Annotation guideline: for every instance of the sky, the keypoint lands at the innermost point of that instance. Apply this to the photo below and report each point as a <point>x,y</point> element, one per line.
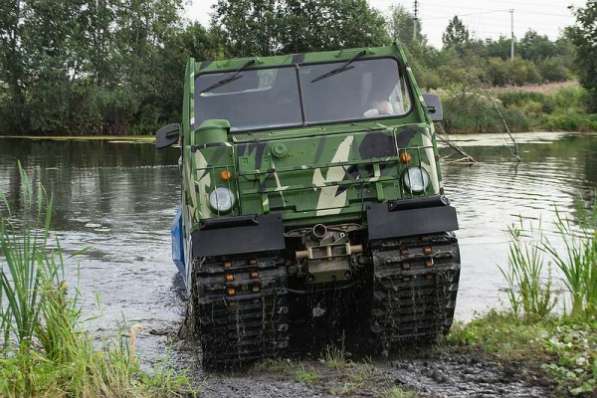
<point>484,18</point>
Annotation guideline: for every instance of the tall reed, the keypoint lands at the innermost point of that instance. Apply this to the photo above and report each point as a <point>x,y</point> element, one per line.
<point>528,293</point>
<point>26,264</point>
<point>578,262</point>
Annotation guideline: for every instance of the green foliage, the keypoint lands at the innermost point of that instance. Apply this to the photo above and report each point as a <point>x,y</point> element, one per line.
<point>584,37</point>
<point>335,358</point>
<point>267,27</point>
<point>457,35</point>
<point>575,347</point>
<point>528,293</point>
<point>479,112</point>
<point>44,351</point>
<point>554,69</point>
<point>401,26</point>
<point>306,375</point>
<point>578,263</point>
<point>534,46</point>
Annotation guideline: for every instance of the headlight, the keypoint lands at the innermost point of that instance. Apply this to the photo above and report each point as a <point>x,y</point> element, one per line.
<point>221,199</point>
<point>416,179</point>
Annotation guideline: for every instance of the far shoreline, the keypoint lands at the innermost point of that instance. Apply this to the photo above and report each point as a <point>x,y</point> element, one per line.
<point>118,138</point>
<point>149,139</point>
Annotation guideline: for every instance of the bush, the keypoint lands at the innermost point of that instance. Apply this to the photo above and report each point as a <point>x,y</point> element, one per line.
<point>522,72</point>
<point>497,72</point>
<point>554,70</point>
<point>570,122</point>
<point>477,113</point>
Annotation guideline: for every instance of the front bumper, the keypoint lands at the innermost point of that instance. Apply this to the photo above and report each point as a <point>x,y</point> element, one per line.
<point>410,218</point>
<point>238,235</point>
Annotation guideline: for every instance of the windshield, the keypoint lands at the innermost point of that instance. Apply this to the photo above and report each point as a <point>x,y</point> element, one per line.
<point>271,98</point>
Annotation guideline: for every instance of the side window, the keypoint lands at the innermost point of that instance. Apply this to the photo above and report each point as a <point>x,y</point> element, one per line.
<point>399,98</point>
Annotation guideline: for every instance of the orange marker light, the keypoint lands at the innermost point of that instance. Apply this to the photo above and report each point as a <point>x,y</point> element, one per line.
<point>405,157</point>
<point>231,291</point>
<point>225,175</point>
<point>229,277</point>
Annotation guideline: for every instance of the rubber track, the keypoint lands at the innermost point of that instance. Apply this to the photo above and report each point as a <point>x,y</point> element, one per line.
<point>415,288</point>
<point>236,330</point>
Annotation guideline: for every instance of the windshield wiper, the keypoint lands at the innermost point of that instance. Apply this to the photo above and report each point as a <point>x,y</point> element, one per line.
<point>230,79</point>
<point>340,69</point>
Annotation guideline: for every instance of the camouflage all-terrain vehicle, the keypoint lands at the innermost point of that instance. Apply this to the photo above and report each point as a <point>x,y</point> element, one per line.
<point>311,197</point>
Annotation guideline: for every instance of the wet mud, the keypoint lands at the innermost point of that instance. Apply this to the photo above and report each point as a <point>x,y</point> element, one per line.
<point>434,376</point>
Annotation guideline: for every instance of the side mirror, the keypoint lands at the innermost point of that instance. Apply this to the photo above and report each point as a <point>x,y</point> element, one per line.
<point>167,135</point>
<point>434,107</point>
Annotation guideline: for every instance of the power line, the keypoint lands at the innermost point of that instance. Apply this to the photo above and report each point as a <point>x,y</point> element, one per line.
<point>465,15</point>
<point>448,16</point>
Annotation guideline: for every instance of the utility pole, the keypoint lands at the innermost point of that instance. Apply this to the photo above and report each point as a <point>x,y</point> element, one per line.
<point>512,34</point>
<point>416,17</point>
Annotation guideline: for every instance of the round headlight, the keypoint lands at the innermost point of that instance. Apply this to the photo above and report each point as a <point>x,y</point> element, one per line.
<point>221,199</point>
<point>416,179</point>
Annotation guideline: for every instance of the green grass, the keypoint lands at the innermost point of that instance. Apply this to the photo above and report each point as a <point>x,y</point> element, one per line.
<point>306,375</point>
<point>335,357</point>
<point>44,352</point>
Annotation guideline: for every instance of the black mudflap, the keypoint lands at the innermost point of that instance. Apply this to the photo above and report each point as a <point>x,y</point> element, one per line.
<point>240,309</point>
<point>415,288</point>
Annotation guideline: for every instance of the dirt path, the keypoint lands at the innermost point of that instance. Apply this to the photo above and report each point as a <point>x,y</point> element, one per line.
<point>431,375</point>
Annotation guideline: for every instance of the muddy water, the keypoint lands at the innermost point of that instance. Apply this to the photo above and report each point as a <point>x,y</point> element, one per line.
<point>117,200</point>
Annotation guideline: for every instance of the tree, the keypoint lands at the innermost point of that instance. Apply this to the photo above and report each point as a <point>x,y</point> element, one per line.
<point>534,46</point>
<point>584,37</point>
<point>499,48</point>
<point>265,27</point>
<point>87,66</point>
<point>248,26</point>
<point>457,35</point>
<point>12,66</point>
<point>401,26</point>
<point>310,25</point>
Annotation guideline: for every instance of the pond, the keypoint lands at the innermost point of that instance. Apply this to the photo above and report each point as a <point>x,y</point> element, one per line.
<point>117,200</point>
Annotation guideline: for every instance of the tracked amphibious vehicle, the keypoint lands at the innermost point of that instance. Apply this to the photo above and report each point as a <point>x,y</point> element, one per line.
<point>311,191</point>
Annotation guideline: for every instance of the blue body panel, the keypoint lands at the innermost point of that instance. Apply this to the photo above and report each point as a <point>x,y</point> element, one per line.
<point>178,242</point>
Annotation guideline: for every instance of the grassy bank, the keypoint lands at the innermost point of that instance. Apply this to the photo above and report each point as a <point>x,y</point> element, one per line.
<point>562,345</point>
<point>44,350</point>
<point>534,109</point>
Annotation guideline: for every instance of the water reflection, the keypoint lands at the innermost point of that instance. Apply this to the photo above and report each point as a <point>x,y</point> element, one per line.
<point>118,201</point>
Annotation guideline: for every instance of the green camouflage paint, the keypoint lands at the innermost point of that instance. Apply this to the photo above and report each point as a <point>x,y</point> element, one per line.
<point>310,174</point>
